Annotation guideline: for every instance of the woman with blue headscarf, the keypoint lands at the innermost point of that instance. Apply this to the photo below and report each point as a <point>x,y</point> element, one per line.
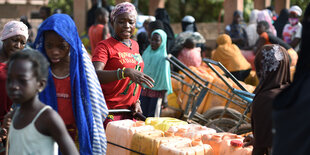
<point>73,89</point>
<point>158,68</point>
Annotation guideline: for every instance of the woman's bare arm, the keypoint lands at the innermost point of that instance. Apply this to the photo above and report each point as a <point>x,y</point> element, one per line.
<point>106,76</point>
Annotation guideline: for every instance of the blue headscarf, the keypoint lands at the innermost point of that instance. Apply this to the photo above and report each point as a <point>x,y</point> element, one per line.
<point>156,66</point>
<point>87,99</point>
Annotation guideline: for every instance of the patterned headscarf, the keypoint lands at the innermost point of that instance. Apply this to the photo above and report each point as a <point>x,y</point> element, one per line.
<point>123,8</point>
<point>272,67</point>
<point>265,16</point>
<point>14,28</point>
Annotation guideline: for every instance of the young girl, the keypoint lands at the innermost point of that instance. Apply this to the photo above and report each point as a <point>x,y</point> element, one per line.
<point>35,126</point>
<point>158,68</point>
<point>73,88</point>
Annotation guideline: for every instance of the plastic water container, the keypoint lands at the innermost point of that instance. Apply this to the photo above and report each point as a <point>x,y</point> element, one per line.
<point>186,147</point>
<point>164,123</point>
<point>149,142</point>
<point>215,140</point>
<point>192,131</point>
<point>213,100</point>
<point>121,133</point>
<point>234,147</point>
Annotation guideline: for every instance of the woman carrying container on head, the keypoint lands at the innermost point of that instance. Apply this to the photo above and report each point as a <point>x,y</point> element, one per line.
<point>119,65</point>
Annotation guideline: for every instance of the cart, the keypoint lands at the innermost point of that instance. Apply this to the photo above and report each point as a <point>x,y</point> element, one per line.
<point>230,117</point>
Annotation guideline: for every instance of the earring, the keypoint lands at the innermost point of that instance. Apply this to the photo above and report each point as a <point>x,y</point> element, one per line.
<point>40,90</point>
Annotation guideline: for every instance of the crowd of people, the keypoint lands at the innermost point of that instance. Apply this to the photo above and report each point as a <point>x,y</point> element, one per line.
<point>55,90</point>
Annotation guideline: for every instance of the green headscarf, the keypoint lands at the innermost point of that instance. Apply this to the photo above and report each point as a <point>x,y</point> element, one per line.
<point>156,66</point>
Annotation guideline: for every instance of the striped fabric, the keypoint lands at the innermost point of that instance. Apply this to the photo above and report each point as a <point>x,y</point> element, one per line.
<point>99,108</point>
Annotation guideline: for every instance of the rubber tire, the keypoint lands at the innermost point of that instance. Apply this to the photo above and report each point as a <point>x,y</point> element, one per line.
<point>222,125</point>
<point>216,112</point>
<point>243,129</point>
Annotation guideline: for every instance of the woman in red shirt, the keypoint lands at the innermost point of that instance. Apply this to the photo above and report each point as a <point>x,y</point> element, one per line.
<point>119,65</point>
<point>14,37</point>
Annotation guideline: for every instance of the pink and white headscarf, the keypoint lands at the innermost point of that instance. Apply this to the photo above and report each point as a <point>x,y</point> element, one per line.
<point>123,8</point>
<point>264,15</point>
<point>14,28</point>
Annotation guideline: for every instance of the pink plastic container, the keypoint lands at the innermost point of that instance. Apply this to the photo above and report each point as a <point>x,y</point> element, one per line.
<point>121,133</point>
<point>192,131</point>
<point>186,147</point>
<point>234,147</point>
<point>215,140</point>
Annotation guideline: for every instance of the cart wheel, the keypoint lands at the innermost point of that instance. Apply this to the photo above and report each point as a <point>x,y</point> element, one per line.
<point>217,111</point>
<point>242,129</point>
<point>222,124</point>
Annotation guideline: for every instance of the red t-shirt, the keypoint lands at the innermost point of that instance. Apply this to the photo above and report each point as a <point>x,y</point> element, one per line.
<point>119,94</point>
<point>5,102</point>
<point>65,109</point>
<point>95,35</point>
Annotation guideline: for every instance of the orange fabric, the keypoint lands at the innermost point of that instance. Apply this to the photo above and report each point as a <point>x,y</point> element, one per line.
<point>266,37</point>
<point>95,35</point>
<point>230,55</point>
<point>293,55</point>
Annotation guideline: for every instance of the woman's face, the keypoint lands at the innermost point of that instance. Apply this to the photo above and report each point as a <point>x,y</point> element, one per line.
<point>124,25</point>
<point>56,48</point>
<point>155,41</point>
<point>14,44</point>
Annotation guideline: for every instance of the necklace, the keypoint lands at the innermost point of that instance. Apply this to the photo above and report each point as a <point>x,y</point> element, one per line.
<point>60,77</point>
<point>127,44</point>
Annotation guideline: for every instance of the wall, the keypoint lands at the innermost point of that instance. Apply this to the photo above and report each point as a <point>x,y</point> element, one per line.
<point>209,31</point>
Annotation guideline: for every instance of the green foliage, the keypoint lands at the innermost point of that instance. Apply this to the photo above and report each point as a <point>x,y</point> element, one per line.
<point>248,7</point>
<point>202,10</point>
<point>66,6</point>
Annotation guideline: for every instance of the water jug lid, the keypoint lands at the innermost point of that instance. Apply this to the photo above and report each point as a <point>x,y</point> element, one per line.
<point>236,143</point>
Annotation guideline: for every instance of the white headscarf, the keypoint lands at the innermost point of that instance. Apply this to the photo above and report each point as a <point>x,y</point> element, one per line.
<point>14,28</point>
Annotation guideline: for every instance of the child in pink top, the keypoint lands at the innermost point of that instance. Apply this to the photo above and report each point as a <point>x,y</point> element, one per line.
<point>190,55</point>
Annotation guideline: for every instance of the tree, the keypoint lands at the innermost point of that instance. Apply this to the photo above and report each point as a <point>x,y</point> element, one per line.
<point>301,3</point>
<point>201,10</point>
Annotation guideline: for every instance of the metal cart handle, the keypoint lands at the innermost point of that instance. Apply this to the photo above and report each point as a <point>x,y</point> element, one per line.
<point>173,61</point>
<point>209,61</point>
<point>137,115</point>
